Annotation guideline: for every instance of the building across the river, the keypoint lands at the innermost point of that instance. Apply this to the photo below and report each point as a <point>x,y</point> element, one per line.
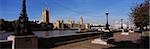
<point>45,23</point>
<point>45,15</point>
<point>59,24</point>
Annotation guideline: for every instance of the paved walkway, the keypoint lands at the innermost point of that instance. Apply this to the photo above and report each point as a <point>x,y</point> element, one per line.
<point>82,45</point>
<point>134,37</point>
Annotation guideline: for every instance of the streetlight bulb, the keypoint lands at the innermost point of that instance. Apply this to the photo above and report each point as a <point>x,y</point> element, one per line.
<point>107,13</point>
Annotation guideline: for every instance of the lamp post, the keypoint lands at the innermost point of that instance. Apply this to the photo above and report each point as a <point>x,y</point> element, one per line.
<point>121,23</point>
<point>127,25</point>
<point>107,25</point>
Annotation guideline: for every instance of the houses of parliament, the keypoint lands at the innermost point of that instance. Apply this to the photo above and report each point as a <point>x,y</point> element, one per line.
<point>45,23</point>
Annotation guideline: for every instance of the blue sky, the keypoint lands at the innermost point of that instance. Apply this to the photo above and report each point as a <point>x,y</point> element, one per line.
<point>93,11</point>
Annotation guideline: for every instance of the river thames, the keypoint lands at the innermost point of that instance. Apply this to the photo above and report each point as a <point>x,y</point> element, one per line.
<point>43,34</point>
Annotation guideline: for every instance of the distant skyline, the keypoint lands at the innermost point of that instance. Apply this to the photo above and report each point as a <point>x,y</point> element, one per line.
<point>93,11</point>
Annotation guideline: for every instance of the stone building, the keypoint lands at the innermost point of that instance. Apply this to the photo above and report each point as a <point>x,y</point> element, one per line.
<point>81,20</point>
<point>58,24</point>
<point>45,15</point>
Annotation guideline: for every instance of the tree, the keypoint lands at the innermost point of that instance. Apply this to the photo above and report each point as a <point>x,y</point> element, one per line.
<point>1,24</point>
<point>140,14</point>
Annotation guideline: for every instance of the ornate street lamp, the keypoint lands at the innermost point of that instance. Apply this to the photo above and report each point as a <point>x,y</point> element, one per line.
<point>107,25</point>
<point>121,23</point>
<point>127,25</point>
<point>23,25</point>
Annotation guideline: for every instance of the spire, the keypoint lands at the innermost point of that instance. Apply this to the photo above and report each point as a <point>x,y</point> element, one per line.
<point>23,14</point>
<point>81,20</point>
<point>69,19</point>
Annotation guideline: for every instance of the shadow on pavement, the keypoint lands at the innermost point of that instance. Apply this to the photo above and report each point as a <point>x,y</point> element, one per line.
<point>142,44</point>
<point>48,43</point>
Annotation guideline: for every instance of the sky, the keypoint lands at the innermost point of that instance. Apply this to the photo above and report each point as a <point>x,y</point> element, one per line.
<point>92,11</point>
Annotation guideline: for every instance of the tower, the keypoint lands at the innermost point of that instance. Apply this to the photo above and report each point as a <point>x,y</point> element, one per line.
<point>69,20</point>
<point>81,21</point>
<point>45,15</point>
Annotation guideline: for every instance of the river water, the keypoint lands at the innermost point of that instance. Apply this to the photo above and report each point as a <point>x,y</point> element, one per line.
<point>3,36</point>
